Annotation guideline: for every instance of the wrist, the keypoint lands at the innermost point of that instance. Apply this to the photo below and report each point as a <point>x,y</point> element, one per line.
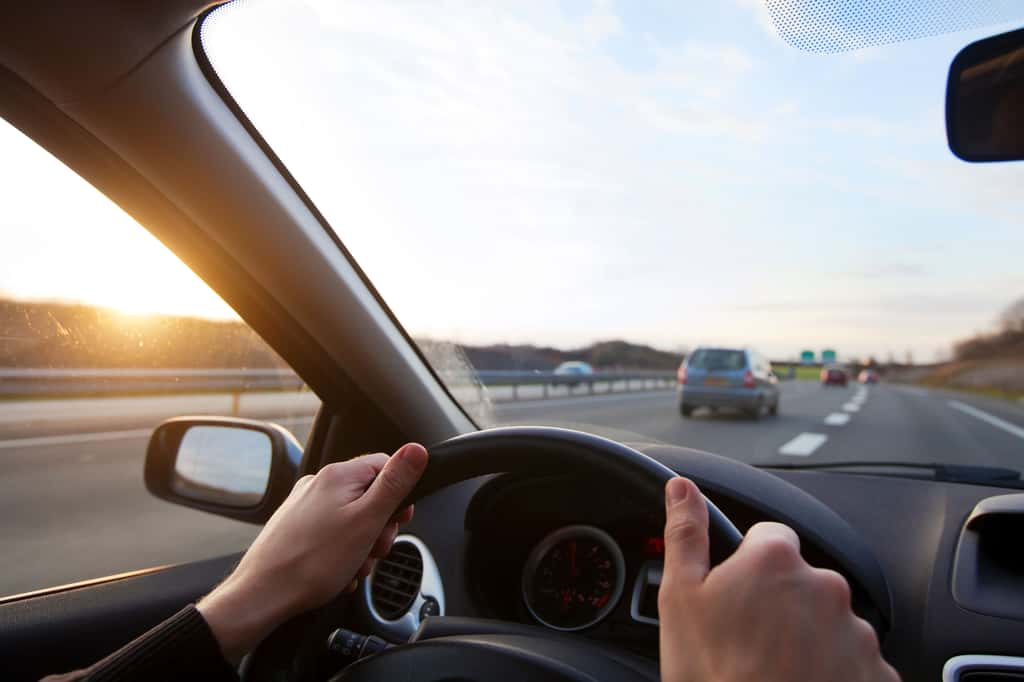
<point>239,618</point>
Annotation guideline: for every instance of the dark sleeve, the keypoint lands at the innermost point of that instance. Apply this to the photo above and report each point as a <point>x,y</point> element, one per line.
<point>181,648</point>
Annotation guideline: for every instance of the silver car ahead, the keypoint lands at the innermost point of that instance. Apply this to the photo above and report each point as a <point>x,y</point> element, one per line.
<point>738,378</point>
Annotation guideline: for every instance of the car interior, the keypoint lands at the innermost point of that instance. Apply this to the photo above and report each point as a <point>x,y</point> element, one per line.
<point>122,94</point>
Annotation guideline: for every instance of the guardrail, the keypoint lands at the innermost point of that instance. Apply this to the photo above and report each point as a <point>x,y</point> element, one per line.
<point>598,382</point>
<point>35,382</point>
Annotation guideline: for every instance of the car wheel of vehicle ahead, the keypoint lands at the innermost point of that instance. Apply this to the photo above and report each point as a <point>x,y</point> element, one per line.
<point>774,409</point>
<point>755,412</point>
<point>686,410</point>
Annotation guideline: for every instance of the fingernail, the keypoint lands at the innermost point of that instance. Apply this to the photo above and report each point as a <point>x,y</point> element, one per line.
<point>676,491</point>
<point>405,454</point>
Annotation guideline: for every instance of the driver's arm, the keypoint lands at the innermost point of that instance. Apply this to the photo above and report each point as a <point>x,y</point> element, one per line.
<point>324,536</point>
<point>762,614</point>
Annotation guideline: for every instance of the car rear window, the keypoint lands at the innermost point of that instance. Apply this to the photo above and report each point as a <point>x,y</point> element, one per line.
<point>717,359</point>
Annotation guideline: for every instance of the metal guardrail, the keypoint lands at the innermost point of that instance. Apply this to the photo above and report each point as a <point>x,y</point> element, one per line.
<point>93,382</point>
<point>611,382</point>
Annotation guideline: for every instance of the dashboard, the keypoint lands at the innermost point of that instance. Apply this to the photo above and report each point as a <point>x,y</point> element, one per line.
<point>576,554</point>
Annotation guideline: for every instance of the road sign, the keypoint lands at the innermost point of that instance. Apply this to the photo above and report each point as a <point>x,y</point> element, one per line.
<point>807,357</point>
<point>828,355</point>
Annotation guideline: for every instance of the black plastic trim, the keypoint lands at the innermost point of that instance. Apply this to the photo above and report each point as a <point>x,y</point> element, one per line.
<point>221,89</point>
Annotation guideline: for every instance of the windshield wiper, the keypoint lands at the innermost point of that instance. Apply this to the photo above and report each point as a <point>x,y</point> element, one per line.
<point>952,473</point>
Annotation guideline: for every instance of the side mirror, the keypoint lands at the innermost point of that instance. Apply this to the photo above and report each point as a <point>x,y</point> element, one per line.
<point>238,468</point>
<point>985,100</point>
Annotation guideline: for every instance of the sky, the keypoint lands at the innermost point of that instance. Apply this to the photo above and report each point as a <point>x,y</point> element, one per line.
<point>670,173</point>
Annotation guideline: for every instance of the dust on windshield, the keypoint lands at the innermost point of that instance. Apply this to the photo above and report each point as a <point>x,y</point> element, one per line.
<point>622,184</point>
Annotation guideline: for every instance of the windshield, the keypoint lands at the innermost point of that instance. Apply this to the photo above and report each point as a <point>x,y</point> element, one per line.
<point>528,184</point>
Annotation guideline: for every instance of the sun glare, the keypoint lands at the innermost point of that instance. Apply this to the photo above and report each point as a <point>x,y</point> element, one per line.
<point>84,249</point>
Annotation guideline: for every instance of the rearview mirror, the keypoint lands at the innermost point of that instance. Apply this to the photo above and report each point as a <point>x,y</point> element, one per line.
<point>985,100</point>
<point>238,468</point>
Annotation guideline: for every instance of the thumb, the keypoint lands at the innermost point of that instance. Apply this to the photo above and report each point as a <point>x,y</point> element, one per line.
<point>397,479</point>
<point>686,534</point>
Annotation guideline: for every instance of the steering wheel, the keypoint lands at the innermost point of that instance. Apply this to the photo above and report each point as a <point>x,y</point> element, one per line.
<point>530,652</point>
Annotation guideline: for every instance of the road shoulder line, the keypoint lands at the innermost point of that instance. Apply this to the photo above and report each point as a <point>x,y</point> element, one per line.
<point>990,419</point>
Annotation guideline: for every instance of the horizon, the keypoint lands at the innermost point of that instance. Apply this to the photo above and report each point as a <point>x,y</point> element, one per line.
<point>682,350</point>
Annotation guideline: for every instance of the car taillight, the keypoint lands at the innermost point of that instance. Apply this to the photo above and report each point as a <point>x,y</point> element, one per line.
<point>748,379</point>
<point>681,375</point>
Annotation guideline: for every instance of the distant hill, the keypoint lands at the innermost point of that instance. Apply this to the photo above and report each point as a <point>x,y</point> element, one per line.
<point>620,355</point>
<point>34,334</point>
<point>60,335</point>
<point>988,362</point>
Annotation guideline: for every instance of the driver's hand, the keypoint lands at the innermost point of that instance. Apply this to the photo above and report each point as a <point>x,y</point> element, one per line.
<point>762,614</point>
<point>315,545</point>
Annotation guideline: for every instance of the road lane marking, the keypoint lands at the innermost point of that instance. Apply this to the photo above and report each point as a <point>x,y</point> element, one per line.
<point>803,445</point>
<point>987,418</point>
<point>852,407</point>
<point>76,438</point>
<point>837,419</point>
<point>73,438</point>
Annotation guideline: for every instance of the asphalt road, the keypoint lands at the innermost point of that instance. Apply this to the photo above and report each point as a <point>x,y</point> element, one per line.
<point>73,505</point>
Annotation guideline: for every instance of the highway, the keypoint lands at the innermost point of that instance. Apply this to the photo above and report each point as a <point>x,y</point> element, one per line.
<point>73,505</point>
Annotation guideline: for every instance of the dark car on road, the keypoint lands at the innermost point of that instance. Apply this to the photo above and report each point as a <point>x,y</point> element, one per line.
<point>834,376</point>
<point>738,378</point>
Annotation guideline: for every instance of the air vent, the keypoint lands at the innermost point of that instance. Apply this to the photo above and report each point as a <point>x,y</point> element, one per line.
<point>982,668</point>
<point>396,580</point>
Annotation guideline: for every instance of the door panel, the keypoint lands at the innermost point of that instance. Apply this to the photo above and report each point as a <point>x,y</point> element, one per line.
<point>74,628</point>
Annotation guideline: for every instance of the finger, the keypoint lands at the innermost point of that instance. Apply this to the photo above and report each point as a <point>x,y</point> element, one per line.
<point>771,546</point>
<point>403,516</point>
<point>686,534</point>
<point>366,468</point>
<point>383,544</point>
<point>396,480</point>
<point>365,569</point>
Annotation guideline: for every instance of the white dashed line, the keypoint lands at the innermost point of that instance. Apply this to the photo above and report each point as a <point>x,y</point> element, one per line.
<point>837,419</point>
<point>987,418</point>
<point>803,445</point>
<point>852,407</point>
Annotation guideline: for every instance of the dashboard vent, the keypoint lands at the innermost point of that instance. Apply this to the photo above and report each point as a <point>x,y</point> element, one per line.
<point>396,580</point>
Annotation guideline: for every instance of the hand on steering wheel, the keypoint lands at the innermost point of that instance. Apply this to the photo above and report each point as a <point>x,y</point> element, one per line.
<point>326,533</point>
<point>762,614</point>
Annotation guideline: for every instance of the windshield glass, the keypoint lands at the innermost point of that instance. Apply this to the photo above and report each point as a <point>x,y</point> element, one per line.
<point>528,184</point>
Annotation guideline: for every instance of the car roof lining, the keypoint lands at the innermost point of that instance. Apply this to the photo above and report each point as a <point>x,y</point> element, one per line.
<point>70,50</point>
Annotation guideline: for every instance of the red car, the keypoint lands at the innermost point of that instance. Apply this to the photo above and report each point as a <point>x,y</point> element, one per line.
<point>834,376</point>
<point>868,376</point>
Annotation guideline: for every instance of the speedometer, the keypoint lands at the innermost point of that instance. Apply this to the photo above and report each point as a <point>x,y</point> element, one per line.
<point>573,578</point>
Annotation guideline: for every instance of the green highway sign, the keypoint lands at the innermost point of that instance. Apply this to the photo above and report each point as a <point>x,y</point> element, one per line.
<point>828,355</point>
<point>807,357</point>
